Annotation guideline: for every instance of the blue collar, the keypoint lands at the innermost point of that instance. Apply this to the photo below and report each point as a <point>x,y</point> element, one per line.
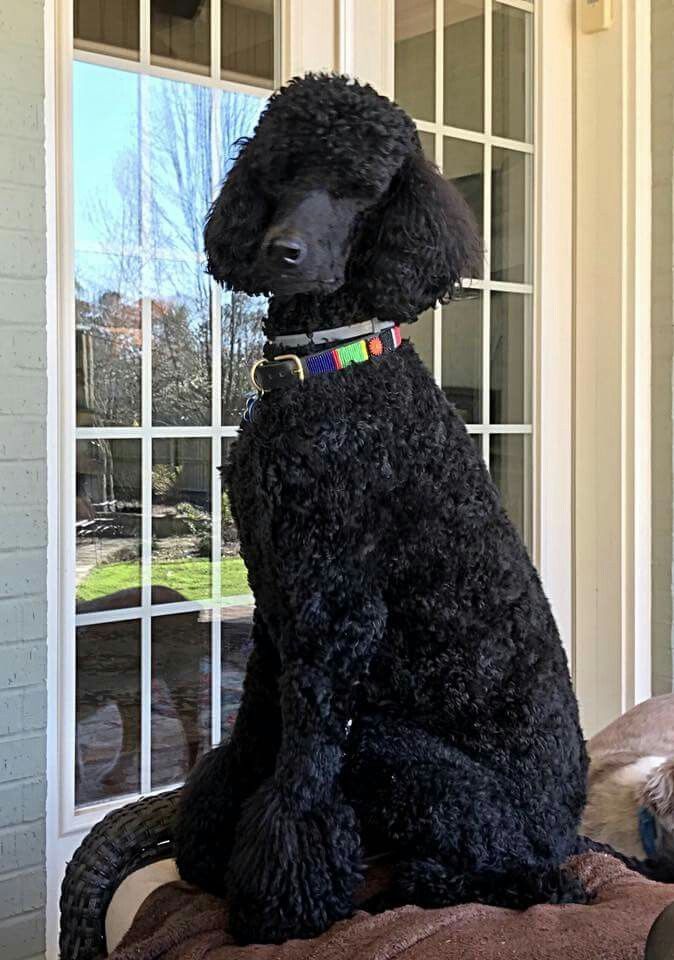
<point>648,832</point>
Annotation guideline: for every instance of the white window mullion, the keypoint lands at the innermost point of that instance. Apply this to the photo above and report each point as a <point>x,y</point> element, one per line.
<point>144,56</point>
<point>216,444</point>
<point>436,129</point>
<point>216,12</point>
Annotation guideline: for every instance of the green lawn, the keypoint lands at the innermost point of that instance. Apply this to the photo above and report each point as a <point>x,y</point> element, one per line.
<point>192,578</point>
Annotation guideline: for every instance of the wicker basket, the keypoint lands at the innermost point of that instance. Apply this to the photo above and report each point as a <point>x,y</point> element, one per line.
<point>124,841</point>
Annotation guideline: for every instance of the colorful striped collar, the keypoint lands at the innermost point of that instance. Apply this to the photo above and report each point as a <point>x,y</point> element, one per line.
<point>289,369</point>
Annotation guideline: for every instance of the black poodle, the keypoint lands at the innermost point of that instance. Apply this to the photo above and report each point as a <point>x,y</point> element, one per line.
<point>407,692</point>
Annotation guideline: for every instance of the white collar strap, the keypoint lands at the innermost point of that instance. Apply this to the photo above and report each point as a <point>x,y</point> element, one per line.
<point>330,336</point>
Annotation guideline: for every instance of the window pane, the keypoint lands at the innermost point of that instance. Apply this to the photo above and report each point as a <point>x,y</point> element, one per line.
<point>108,340</point>
<point>235,645</point>
<point>415,57</point>
<point>181,695</point>
<point>512,78</point>
<point>510,464</point>
<point>463,164</point>
<point>100,24</point>
<point>108,524</point>
<point>462,355</point>
<point>234,586</point>
<point>247,39</point>
<point>181,345</point>
<point>180,34</point>
<point>106,159</point>
<point>181,519</point>
<point>178,145</point>
<point>512,221</point>
<point>511,359</point>
<point>107,732</point>
<point>464,64</point>
<point>428,145</point>
<point>242,340</point>
<point>421,335</point>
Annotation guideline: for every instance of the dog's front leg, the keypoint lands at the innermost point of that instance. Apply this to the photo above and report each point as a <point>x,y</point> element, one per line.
<point>296,859</point>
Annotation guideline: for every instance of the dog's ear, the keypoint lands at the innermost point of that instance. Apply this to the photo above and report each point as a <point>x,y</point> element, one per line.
<point>235,226</point>
<point>658,793</point>
<point>416,245</point>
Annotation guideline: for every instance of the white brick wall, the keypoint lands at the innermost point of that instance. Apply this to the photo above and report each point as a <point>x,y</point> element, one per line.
<point>23,526</point>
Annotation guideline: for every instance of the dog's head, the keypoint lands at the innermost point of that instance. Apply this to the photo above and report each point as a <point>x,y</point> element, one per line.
<point>333,192</point>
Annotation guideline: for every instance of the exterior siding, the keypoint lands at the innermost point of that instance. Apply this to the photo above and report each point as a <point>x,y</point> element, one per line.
<point>23,487</point>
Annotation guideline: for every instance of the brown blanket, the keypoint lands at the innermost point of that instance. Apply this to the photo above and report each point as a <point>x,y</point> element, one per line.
<point>177,922</point>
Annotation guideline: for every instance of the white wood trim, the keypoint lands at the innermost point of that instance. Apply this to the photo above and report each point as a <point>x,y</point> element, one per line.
<point>553,308</point>
<point>612,332</point>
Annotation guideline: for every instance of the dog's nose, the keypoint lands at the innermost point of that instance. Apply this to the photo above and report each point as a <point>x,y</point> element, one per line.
<point>286,252</point>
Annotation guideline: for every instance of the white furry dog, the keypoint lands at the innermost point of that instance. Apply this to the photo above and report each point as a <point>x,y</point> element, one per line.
<point>631,784</point>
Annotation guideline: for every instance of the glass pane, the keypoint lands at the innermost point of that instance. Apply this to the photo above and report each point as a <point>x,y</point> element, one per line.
<point>181,345</point>
<point>106,160</point>
<point>107,731</point>
<point>108,524</point>
<point>512,77</point>
<point>242,340</point>
<point>421,335</point>
<point>463,164</point>
<point>179,166</point>
<point>247,39</point>
<point>180,34</point>
<point>239,113</point>
<point>415,57</point>
<point>462,355</point>
<point>510,463</point>
<point>511,360</point>
<point>512,220</point>
<point>233,576</point>
<point>100,24</point>
<point>181,695</point>
<point>108,339</point>
<point>464,64</point>
<point>428,145</point>
<point>235,645</point>
<point>181,519</point>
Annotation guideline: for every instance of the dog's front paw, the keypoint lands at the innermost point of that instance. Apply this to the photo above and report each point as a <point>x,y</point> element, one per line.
<point>291,874</point>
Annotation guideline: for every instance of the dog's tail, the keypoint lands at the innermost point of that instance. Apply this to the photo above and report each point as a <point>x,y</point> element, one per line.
<point>647,868</point>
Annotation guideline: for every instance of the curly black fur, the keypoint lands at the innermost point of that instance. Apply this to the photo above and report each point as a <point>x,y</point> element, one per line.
<point>408,691</point>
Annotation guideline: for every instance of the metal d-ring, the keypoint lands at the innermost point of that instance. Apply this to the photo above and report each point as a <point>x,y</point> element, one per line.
<point>253,371</point>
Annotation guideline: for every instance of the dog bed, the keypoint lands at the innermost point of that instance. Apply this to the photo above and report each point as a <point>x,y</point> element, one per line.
<point>178,922</point>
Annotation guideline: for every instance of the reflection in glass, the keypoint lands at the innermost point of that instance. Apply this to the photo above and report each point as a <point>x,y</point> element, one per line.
<point>242,340</point>
<point>107,696</point>
<point>180,34</point>
<point>108,340</point>
<point>181,518</point>
<point>181,694</point>
<point>233,575</point>
<point>512,77</point>
<point>415,57</point>
<point>428,145</point>
<point>247,39</point>
<point>179,165</point>
<point>108,524</point>
<point>106,159</point>
<point>462,355</point>
<point>239,113</point>
<point>100,24</point>
<point>463,164</point>
<point>236,644</point>
<point>464,64</point>
<point>510,465</point>
<point>181,345</point>
<point>421,335</point>
<point>512,222</point>
<point>511,360</point>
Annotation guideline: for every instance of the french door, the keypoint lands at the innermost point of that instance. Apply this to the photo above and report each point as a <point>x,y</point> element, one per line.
<point>464,69</point>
